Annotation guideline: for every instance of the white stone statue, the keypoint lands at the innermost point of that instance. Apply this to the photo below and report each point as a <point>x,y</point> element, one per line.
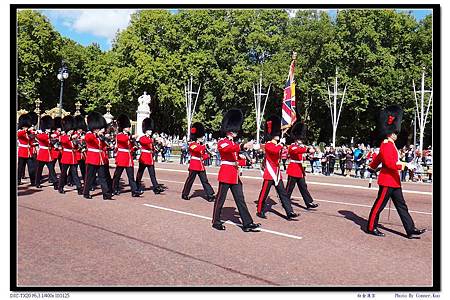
<point>143,111</point>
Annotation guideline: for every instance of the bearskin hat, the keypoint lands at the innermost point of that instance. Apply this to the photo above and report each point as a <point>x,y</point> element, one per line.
<point>24,121</point>
<point>390,120</point>
<point>57,122</point>
<point>123,122</point>
<point>33,118</point>
<point>272,127</point>
<point>232,121</point>
<point>47,123</point>
<point>68,123</point>
<point>148,124</point>
<point>79,123</point>
<point>197,131</point>
<point>96,121</point>
<point>298,131</point>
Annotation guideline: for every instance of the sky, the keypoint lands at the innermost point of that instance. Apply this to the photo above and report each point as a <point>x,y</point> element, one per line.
<point>87,26</point>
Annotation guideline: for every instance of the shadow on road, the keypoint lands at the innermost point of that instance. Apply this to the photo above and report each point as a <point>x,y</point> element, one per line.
<point>230,214</point>
<point>25,191</point>
<point>355,218</point>
<point>199,193</point>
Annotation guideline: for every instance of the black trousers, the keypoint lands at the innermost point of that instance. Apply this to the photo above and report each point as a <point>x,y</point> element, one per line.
<point>204,180</point>
<point>238,195</point>
<point>130,174</point>
<point>384,193</point>
<point>281,191</point>
<point>303,188</point>
<point>82,165</point>
<point>91,171</point>
<point>51,171</point>
<point>31,164</point>
<point>74,174</point>
<point>151,172</point>
<point>108,177</point>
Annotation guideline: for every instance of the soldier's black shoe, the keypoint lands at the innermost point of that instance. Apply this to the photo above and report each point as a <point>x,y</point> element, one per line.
<point>62,191</point>
<point>162,187</point>
<point>55,186</point>
<point>415,231</point>
<point>80,191</point>
<point>116,192</point>
<point>218,226</point>
<point>252,227</point>
<point>311,205</point>
<point>87,196</point>
<point>136,194</point>
<point>184,197</point>
<point>375,232</point>
<point>158,190</point>
<point>261,215</point>
<point>92,188</point>
<point>211,198</point>
<point>292,215</point>
<point>107,197</point>
<point>38,186</point>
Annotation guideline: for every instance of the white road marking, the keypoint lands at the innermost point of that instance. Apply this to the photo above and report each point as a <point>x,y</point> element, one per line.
<point>319,200</point>
<point>227,222</point>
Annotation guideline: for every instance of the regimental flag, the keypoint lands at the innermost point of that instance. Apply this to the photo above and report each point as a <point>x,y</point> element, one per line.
<point>288,112</point>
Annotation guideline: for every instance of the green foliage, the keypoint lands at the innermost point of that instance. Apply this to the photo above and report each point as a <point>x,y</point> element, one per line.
<point>378,54</point>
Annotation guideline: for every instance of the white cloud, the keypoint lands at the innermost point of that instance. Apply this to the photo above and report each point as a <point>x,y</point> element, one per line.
<point>99,22</point>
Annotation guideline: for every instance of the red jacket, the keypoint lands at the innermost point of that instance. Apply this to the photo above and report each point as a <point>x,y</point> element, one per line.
<point>44,152</point>
<point>24,148</point>
<point>124,158</point>
<point>94,153</point>
<point>68,156</point>
<point>197,153</point>
<point>229,155</point>
<point>146,156</point>
<point>295,167</point>
<point>388,157</point>
<point>272,161</point>
<point>56,152</point>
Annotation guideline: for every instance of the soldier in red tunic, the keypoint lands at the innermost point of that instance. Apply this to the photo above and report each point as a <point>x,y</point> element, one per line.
<point>44,156</point>
<point>146,157</point>
<point>272,174</point>
<point>68,159</point>
<point>81,128</point>
<point>124,157</point>
<point>94,156</point>
<point>56,146</point>
<point>389,125</point>
<point>229,172</point>
<point>196,166</point>
<point>25,136</point>
<point>296,172</point>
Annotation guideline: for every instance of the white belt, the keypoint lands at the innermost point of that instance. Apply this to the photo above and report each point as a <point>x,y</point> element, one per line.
<point>297,161</point>
<point>231,163</point>
<point>196,158</point>
<point>146,151</point>
<point>123,150</point>
<point>68,150</point>
<point>94,150</point>
<point>23,145</point>
<point>44,147</point>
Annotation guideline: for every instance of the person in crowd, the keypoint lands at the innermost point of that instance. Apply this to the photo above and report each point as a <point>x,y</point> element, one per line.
<point>25,136</point>
<point>348,162</point>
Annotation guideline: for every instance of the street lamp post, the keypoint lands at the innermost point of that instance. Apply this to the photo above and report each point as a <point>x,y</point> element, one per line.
<point>63,73</point>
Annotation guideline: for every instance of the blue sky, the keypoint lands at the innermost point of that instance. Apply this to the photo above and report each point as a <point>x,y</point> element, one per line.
<point>100,26</point>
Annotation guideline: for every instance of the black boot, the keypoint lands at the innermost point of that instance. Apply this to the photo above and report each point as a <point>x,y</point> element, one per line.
<point>55,186</point>
<point>211,198</point>
<point>219,226</point>
<point>292,215</point>
<point>80,190</point>
<point>107,197</point>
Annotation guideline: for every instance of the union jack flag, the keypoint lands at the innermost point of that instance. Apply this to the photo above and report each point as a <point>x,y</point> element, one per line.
<point>288,113</point>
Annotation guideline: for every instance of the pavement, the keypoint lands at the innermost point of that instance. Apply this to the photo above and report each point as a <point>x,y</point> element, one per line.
<point>162,240</point>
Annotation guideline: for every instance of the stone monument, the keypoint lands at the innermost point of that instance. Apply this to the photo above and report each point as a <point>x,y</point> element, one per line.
<point>143,111</point>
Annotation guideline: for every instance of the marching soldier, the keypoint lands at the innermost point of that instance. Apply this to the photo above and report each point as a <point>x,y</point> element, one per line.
<point>229,172</point>
<point>25,136</point>
<point>296,172</point>
<point>196,166</point>
<point>68,158</point>
<point>124,157</point>
<point>389,125</point>
<point>44,156</point>
<point>94,156</point>
<point>80,154</point>
<point>272,174</point>
<point>56,149</point>
<point>146,157</point>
